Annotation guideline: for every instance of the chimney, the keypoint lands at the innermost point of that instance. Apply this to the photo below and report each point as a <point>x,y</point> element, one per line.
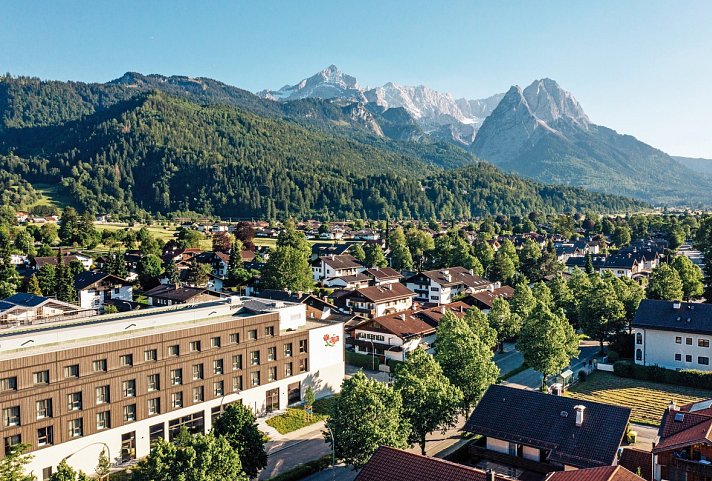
<point>579,414</point>
<point>672,406</point>
<point>491,476</point>
<point>401,317</point>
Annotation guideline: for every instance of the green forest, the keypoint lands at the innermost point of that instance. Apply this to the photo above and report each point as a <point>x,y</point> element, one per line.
<point>113,149</point>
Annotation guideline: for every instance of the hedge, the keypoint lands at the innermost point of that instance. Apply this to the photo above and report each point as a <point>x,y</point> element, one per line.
<point>366,361</point>
<point>685,377</point>
<point>301,471</point>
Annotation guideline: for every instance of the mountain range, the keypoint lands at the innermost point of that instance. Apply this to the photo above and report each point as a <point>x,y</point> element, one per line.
<point>541,132</point>
<point>156,144</point>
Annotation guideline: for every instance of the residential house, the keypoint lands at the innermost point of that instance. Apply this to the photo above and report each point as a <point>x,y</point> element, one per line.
<point>168,295</point>
<point>397,465</point>
<point>37,262</point>
<point>483,299</point>
<point>637,461</point>
<point>441,285</point>
<point>322,249</point>
<point>394,335</point>
<point>355,281</point>
<point>25,309</point>
<point>673,334</point>
<point>218,261</point>
<point>378,301</point>
<point>94,288</point>
<point>530,431</point>
<point>433,315</point>
<point>684,447</point>
<point>326,267</point>
<point>367,234</point>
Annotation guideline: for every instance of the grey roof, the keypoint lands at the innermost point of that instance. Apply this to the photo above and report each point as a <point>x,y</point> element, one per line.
<point>87,278</point>
<point>27,300</point>
<point>690,317</point>
<point>538,420</point>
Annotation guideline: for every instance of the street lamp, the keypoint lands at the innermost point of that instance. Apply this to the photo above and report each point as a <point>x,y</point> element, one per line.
<point>373,355</point>
<point>108,453</point>
<point>333,452</point>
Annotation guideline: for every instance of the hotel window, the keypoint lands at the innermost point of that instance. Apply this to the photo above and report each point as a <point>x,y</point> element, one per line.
<point>44,408</point>
<point>218,366</point>
<point>11,442</point>
<point>678,357</point>
<point>45,436</point>
<point>103,420</point>
<point>174,350</point>
<point>99,365</point>
<point>255,379</point>
<point>688,341</point>
<point>703,343</point>
<point>76,428</point>
<point>705,361</point>
<point>269,331</point>
<point>154,406</point>
<point>177,400</point>
<point>197,372</point>
<point>177,377</point>
<point>11,416</point>
<point>126,360</point>
<point>302,346</point>
<point>678,340</point>
<point>41,377</point>
<point>237,383</point>
<point>130,413</point>
<point>236,362</point>
<point>129,388</point>
<point>288,350</point>
<point>235,338</point>
<point>150,355</point>
<point>8,384</point>
<point>194,346</point>
<point>272,374</point>
<point>255,358</point>
<point>218,388</point>
<point>71,371</point>
<point>688,357</point>
<point>271,353</point>
<point>303,365</point>
<point>288,369</point>
<point>252,335</point>
<point>198,394</point>
<point>102,395</point>
<point>153,382</point>
<point>215,342</point>
<point>74,401</point>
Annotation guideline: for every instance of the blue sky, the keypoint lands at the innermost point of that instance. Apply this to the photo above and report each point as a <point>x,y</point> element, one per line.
<point>642,67</point>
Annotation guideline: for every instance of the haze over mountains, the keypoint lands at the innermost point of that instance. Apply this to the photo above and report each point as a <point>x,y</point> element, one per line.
<point>540,131</point>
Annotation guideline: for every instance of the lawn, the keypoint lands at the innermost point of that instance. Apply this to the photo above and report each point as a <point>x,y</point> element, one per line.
<point>648,400</point>
<point>293,419</point>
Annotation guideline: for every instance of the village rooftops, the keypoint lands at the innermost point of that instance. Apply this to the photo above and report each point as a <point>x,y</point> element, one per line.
<point>396,465</point>
<point>403,324</point>
<point>582,434</point>
<point>344,261</point>
<point>674,316</point>
<point>383,273</point>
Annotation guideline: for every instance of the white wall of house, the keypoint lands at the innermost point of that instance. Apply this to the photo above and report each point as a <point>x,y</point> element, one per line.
<point>673,350</point>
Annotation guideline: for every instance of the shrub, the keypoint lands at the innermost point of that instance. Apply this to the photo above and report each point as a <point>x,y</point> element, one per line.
<point>613,356</point>
<point>293,419</point>
<point>685,377</point>
<point>364,361</point>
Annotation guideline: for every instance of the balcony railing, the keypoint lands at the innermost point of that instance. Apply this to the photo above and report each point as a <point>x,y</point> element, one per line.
<point>700,468</point>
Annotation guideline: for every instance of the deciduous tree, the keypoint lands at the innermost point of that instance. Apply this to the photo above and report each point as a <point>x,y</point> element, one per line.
<point>665,284</point>
<point>238,425</point>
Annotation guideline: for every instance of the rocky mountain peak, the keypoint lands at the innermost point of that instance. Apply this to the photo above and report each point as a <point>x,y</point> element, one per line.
<point>549,102</point>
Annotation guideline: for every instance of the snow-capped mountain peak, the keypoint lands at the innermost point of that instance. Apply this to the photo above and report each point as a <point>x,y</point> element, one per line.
<point>328,84</point>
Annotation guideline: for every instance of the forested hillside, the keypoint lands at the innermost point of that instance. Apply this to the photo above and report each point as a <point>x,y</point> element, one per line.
<point>158,153</point>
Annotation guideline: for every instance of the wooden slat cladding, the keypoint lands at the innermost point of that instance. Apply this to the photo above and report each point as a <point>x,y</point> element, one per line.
<point>60,388</point>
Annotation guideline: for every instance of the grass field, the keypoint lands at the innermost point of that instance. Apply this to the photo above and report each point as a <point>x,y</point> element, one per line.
<point>648,400</point>
<point>51,195</point>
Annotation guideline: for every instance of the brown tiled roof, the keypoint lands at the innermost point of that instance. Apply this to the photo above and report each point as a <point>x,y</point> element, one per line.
<point>434,315</point>
<point>458,275</point>
<point>178,293</point>
<point>633,459</point>
<point>390,464</point>
<point>383,273</point>
<point>344,261</point>
<point>385,292</point>
<point>604,473</point>
<point>548,422</point>
<point>689,424</point>
<point>403,324</point>
<point>487,297</point>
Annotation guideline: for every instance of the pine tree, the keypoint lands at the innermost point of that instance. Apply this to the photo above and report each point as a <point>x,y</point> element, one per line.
<point>374,256</point>
<point>33,287</point>
<point>65,281</point>
<point>172,273</point>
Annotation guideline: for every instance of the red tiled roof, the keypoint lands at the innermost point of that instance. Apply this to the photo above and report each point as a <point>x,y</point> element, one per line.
<point>390,464</point>
<point>487,297</point>
<point>385,292</point>
<point>633,459</point>
<point>683,426</point>
<point>383,273</point>
<point>434,315</point>
<point>402,324</point>
<point>604,473</point>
